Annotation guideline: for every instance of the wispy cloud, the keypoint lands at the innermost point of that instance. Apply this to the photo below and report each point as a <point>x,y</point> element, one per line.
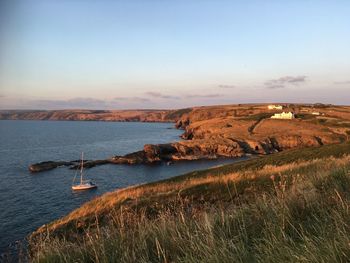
<point>216,95</point>
<point>74,103</point>
<point>83,101</point>
<point>132,99</point>
<point>284,82</point>
<point>275,86</point>
<point>223,86</point>
<point>161,96</point>
<point>341,82</point>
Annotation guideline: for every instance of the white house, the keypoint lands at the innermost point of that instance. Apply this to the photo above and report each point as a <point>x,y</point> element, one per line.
<point>274,107</point>
<point>315,113</point>
<point>283,115</point>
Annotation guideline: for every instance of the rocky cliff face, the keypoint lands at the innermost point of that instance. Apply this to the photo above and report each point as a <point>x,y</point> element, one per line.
<point>211,149</point>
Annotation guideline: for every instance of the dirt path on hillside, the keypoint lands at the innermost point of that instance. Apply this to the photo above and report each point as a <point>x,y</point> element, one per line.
<point>252,128</point>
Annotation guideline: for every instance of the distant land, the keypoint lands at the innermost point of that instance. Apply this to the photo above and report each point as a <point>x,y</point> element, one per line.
<point>91,115</point>
<point>152,115</point>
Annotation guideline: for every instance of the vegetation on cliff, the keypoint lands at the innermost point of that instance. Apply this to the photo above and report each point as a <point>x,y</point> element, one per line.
<point>291,206</point>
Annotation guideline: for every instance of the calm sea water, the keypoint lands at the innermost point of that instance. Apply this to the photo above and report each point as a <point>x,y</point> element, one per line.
<point>28,201</point>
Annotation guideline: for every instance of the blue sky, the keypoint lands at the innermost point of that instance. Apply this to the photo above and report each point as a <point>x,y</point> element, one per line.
<point>172,54</point>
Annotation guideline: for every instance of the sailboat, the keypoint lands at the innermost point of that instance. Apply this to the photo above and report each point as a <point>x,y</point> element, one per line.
<point>83,185</point>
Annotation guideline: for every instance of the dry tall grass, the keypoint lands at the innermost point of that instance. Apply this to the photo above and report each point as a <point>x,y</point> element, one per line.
<point>296,212</point>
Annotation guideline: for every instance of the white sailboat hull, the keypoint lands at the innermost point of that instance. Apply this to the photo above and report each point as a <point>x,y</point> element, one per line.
<point>85,186</point>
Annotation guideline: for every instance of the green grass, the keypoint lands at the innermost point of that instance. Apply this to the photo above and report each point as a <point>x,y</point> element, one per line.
<point>305,116</point>
<point>178,113</point>
<point>257,117</point>
<point>337,123</point>
<point>296,210</point>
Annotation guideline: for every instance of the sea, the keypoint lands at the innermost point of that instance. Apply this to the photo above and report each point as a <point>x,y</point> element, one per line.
<point>29,200</point>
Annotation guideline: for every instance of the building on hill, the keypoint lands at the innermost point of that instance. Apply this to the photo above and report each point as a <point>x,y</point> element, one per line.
<point>283,115</point>
<point>275,107</point>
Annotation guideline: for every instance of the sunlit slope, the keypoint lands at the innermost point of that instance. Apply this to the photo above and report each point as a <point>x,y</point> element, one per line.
<point>297,200</point>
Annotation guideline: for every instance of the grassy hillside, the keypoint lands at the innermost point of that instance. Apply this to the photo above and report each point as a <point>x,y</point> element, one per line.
<point>288,207</point>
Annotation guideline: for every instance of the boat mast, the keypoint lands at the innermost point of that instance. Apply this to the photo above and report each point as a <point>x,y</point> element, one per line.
<point>81,168</point>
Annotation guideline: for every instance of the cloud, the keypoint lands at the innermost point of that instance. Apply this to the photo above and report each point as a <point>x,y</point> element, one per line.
<point>288,79</point>
<point>341,82</point>
<point>161,96</point>
<point>277,86</point>
<point>75,103</point>
<point>227,86</point>
<point>132,99</point>
<point>283,82</point>
<point>83,101</point>
<point>216,95</point>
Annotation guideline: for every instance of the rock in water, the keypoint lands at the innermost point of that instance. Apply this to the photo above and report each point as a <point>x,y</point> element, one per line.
<point>45,166</point>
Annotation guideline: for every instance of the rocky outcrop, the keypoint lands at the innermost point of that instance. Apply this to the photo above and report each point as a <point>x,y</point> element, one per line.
<point>182,123</point>
<point>180,151</point>
<point>76,164</point>
<point>211,149</point>
<point>45,166</point>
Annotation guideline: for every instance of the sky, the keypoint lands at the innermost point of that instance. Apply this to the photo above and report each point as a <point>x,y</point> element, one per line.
<point>69,54</point>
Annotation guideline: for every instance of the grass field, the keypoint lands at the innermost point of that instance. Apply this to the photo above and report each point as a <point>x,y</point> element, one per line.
<point>291,206</point>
